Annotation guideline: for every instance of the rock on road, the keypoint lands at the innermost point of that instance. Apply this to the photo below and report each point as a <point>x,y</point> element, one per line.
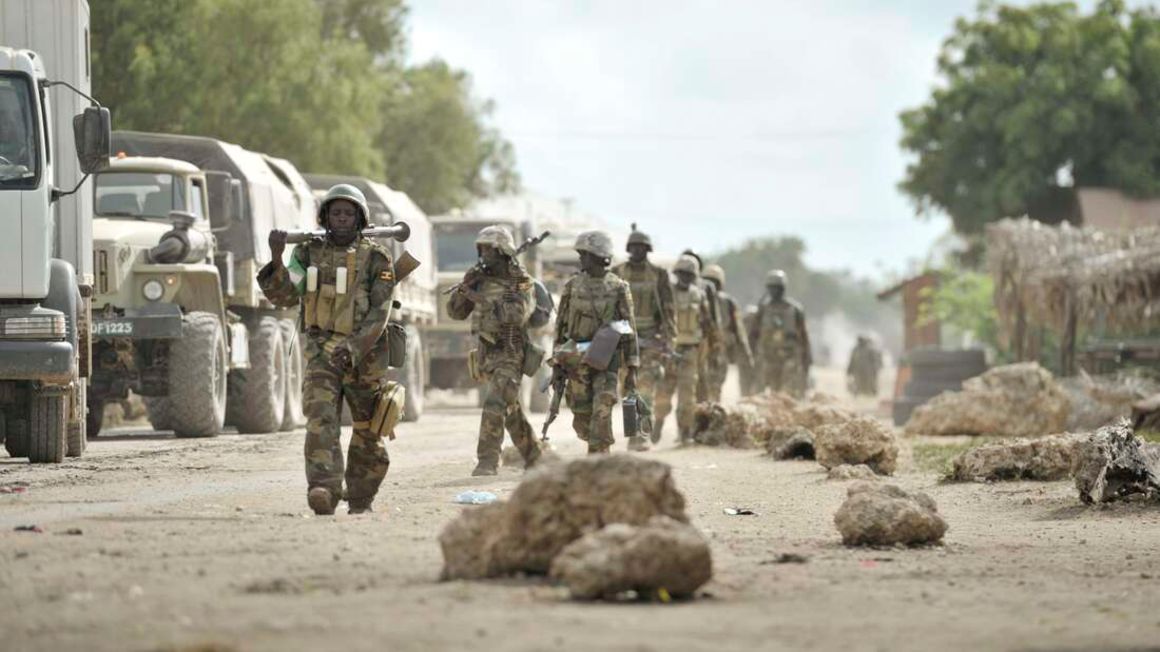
<point>188,543</point>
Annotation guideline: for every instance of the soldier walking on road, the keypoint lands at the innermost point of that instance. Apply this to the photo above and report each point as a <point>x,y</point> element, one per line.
<point>865,363</point>
<point>711,348</point>
<point>782,340</point>
<point>694,328</point>
<point>498,296</point>
<point>345,284</point>
<point>652,302</point>
<point>733,334</point>
<point>595,328</point>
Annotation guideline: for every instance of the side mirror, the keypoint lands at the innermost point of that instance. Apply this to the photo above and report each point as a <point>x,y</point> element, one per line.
<point>219,188</point>
<point>93,131</point>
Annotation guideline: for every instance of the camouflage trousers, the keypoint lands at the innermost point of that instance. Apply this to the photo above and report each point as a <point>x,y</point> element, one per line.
<point>502,409</point>
<point>650,374</point>
<point>591,397</point>
<point>323,391</point>
<point>783,372</point>
<point>750,377</point>
<point>681,377</point>
<point>715,373</point>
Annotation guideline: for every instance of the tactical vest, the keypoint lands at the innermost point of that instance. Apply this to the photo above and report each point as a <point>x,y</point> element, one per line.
<point>642,281</point>
<point>336,296</point>
<point>592,304</point>
<point>488,320</point>
<point>779,325</point>
<point>688,305</point>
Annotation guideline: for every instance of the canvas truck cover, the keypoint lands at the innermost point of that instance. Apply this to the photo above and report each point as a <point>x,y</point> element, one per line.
<point>303,195</point>
<point>268,202</point>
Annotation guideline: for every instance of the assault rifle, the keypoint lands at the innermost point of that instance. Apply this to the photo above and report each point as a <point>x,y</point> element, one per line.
<point>559,384</point>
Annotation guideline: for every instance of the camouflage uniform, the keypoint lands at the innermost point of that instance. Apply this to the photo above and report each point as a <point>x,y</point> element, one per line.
<point>499,318</point>
<point>694,328</point>
<point>783,342</point>
<point>865,363</point>
<point>712,345</point>
<point>354,317</point>
<point>750,374</point>
<point>652,301</point>
<point>733,335</point>
<point>589,302</point>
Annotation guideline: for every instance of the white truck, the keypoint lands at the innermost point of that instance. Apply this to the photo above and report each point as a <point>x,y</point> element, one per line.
<point>417,309</point>
<point>46,277</point>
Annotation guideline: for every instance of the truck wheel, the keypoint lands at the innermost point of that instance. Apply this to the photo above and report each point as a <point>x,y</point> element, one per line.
<point>158,409</point>
<point>197,378</point>
<point>95,419</point>
<point>413,377</point>
<point>47,427</point>
<point>16,437</point>
<point>78,422</point>
<point>258,402</point>
<point>295,372</point>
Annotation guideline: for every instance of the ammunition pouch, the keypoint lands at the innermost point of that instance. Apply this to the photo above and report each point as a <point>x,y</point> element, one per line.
<point>475,365</point>
<point>396,345</point>
<point>533,359</point>
<point>388,410</point>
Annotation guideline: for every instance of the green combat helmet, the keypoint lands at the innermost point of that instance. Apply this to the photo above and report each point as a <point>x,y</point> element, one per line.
<point>714,272</point>
<point>596,243</point>
<point>637,237</point>
<point>775,277</point>
<point>349,193</point>
<point>687,263</point>
<point>498,237</point>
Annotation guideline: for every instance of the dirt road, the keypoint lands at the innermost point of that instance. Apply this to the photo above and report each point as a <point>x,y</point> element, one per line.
<point>209,542</point>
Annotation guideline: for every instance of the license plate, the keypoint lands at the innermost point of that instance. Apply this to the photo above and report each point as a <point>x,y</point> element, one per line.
<point>113,328</point>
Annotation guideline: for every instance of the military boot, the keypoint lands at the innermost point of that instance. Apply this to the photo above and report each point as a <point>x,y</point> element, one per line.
<point>359,507</point>
<point>638,444</point>
<point>321,500</point>
<point>485,467</point>
<point>658,427</point>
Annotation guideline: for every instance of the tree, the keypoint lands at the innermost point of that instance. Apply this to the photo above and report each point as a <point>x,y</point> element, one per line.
<point>1034,102</point>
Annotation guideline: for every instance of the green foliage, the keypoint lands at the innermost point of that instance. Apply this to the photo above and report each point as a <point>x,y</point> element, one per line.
<point>1029,96</point>
<point>965,301</point>
<point>938,456</point>
<point>319,82</point>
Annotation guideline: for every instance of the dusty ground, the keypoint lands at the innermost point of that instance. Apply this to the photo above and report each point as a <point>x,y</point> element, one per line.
<point>188,542</point>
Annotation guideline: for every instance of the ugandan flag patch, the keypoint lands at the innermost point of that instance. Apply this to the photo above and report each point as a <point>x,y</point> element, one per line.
<point>387,275</point>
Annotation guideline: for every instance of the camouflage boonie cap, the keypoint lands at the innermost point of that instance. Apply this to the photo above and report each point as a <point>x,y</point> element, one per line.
<point>498,237</point>
<point>686,263</point>
<point>775,277</point>
<point>596,243</point>
<point>349,193</point>
<point>714,273</point>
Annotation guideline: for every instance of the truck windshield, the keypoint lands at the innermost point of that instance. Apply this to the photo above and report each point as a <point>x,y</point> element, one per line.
<point>18,161</point>
<point>455,246</point>
<point>140,195</point>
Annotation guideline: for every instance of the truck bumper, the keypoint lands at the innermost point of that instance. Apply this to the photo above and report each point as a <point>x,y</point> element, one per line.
<point>160,321</point>
<point>47,362</point>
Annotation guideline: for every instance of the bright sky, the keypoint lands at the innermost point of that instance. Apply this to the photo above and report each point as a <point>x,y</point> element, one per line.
<point>711,121</point>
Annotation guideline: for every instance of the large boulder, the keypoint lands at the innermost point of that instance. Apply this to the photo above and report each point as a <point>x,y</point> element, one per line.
<point>1019,400</point>
<point>859,440</point>
<point>877,514</point>
<point>553,506</point>
<point>1113,463</point>
<point>1047,458</point>
<point>663,554</point>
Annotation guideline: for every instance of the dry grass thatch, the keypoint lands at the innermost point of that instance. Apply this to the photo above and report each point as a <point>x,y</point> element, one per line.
<point>1042,271</point>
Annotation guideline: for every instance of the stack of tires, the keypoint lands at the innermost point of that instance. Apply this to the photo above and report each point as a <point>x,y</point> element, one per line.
<point>932,372</point>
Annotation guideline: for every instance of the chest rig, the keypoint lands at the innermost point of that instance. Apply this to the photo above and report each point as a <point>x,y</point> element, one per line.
<point>779,324</point>
<point>592,304</point>
<point>642,281</point>
<point>688,304</point>
<point>336,288</point>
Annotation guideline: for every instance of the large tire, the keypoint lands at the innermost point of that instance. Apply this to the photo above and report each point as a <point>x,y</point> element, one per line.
<point>78,421</point>
<point>47,427</point>
<point>16,437</point>
<point>258,394</point>
<point>197,377</point>
<point>95,419</point>
<point>159,412</point>
<point>293,417</point>
<point>413,377</point>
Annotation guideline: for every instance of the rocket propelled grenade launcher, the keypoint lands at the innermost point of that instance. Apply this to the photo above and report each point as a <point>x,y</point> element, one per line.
<point>398,231</point>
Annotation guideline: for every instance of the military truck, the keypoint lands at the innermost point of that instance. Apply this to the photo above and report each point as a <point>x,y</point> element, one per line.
<point>416,295</point>
<point>180,233</point>
<point>45,254</point>
<point>449,341</point>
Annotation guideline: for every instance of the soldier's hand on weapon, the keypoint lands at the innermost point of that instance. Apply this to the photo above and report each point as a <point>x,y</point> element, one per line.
<point>277,241</point>
<point>340,359</point>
